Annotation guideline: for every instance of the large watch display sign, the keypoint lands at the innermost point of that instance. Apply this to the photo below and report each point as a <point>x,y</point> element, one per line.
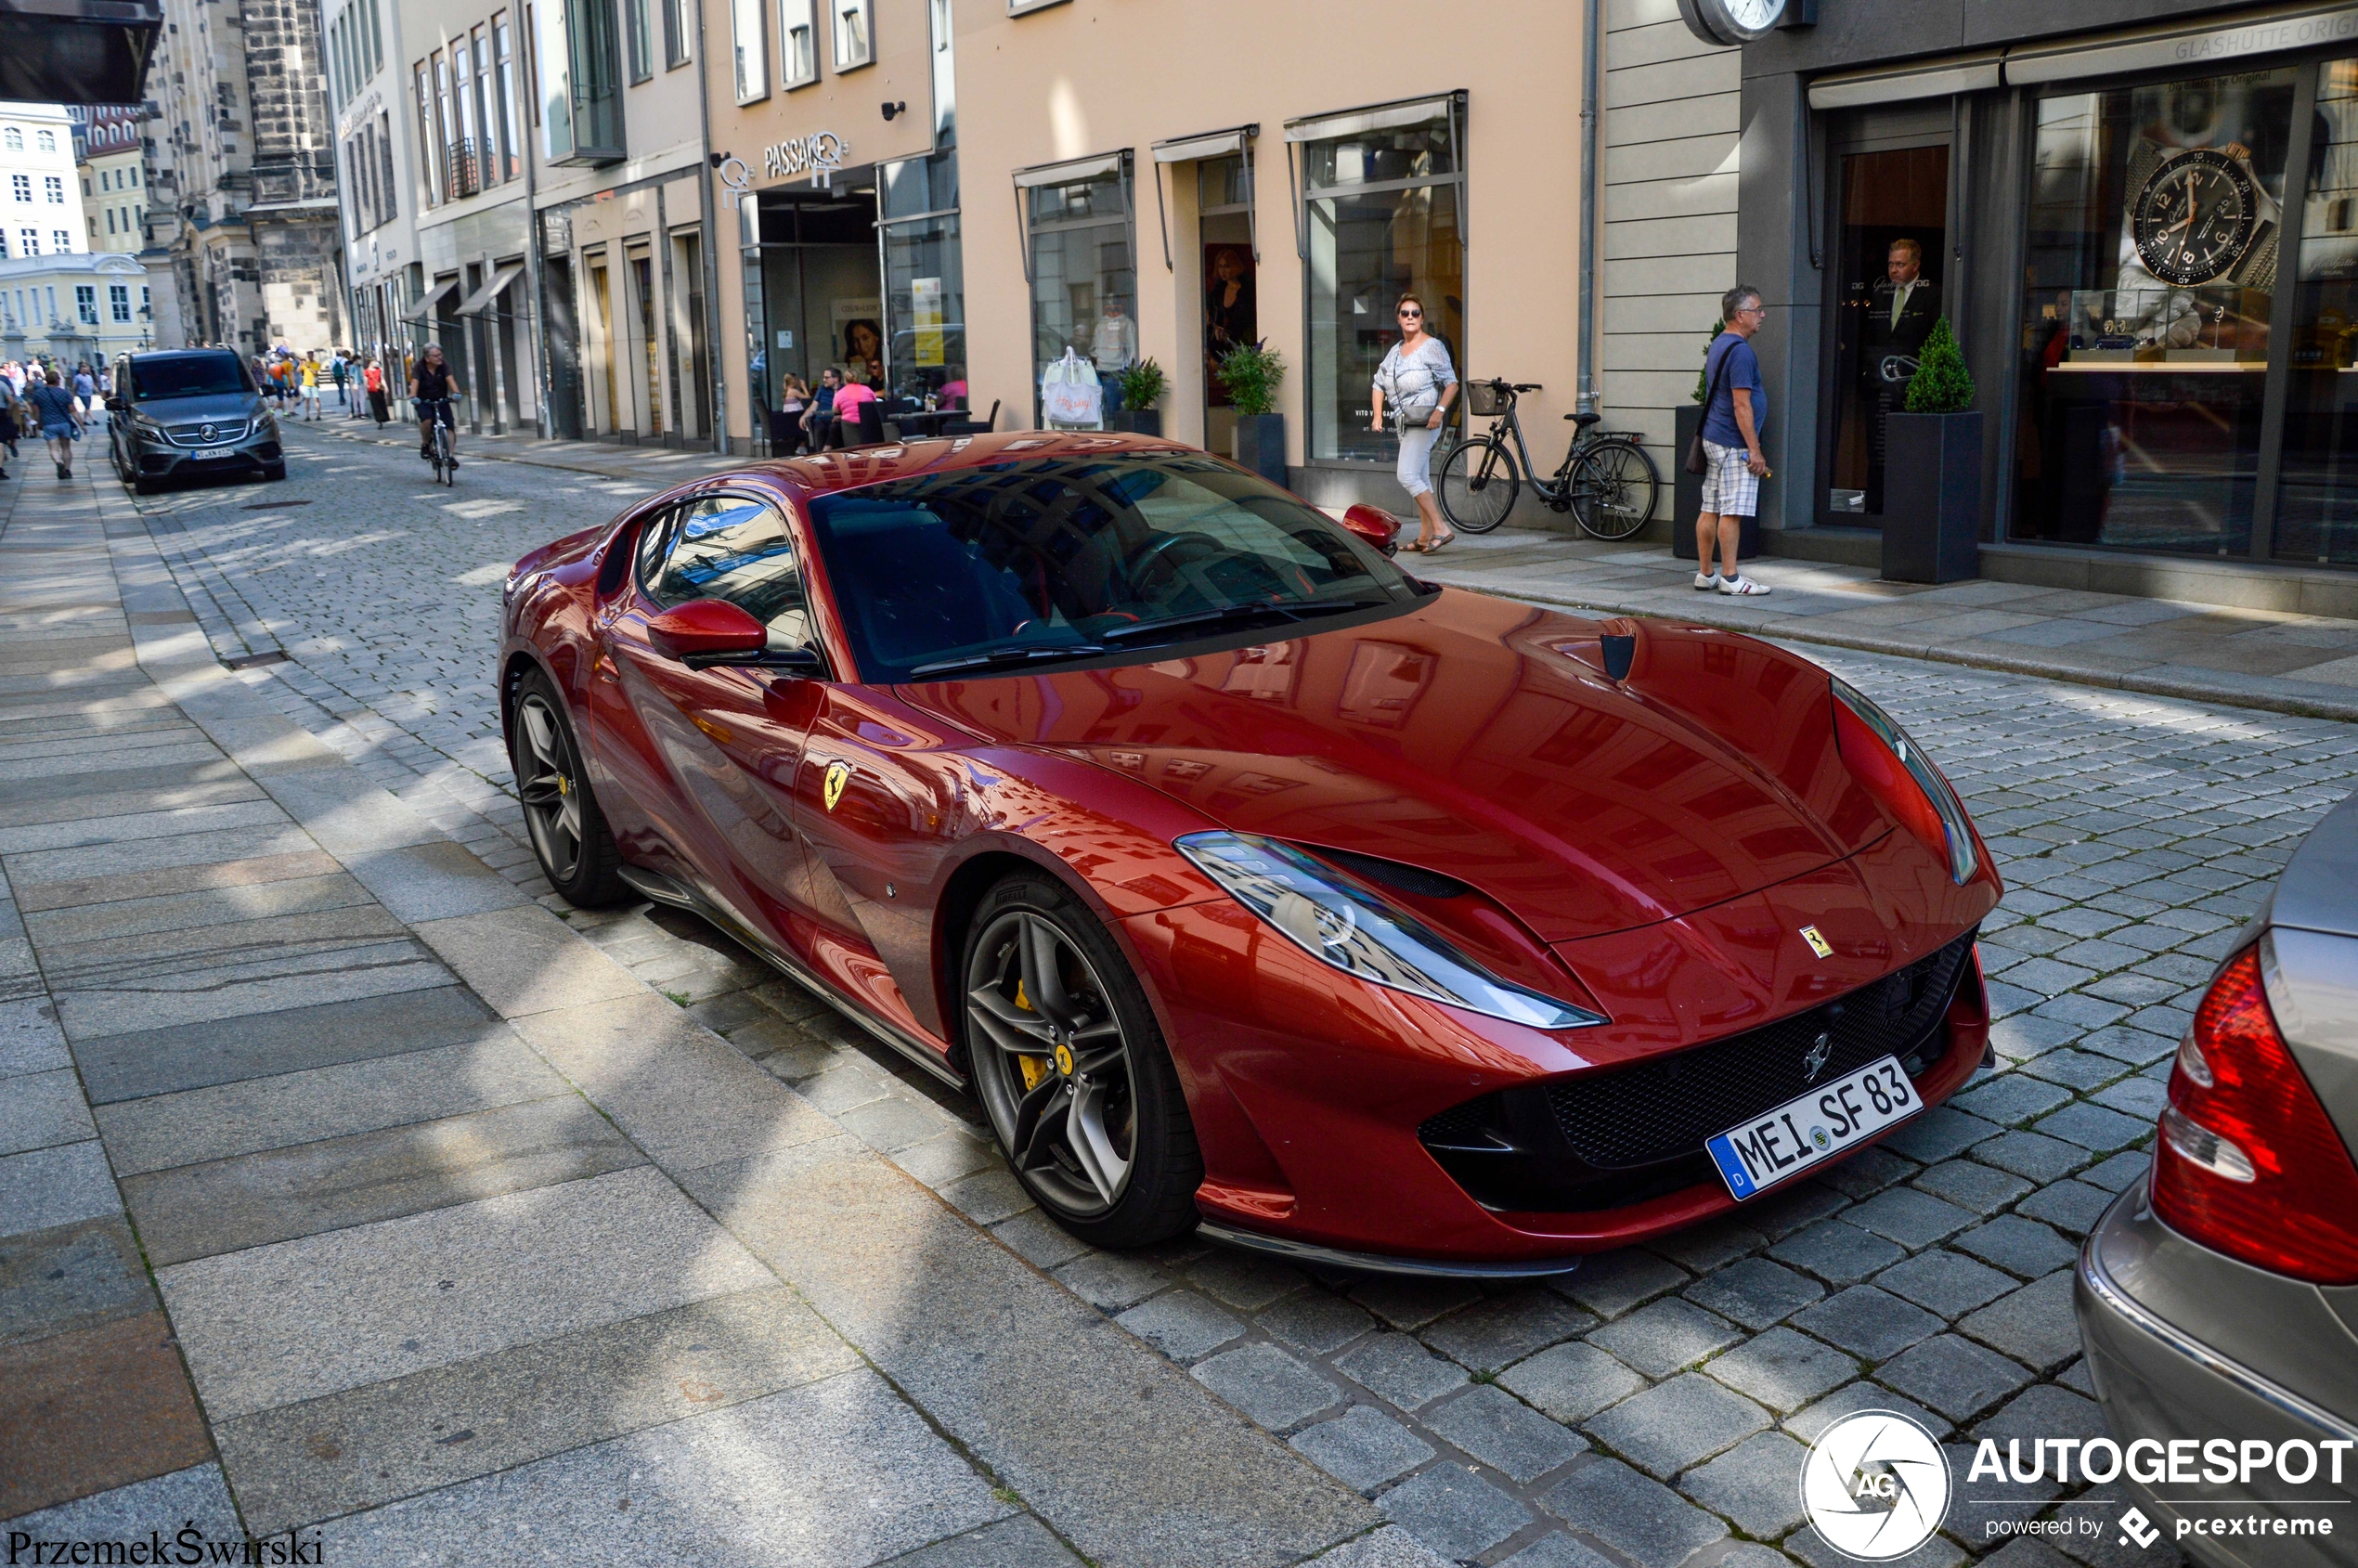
<point>2195,216</point>
<point>1730,22</point>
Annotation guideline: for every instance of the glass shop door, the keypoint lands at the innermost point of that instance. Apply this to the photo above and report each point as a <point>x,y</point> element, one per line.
<point>1888,272</point>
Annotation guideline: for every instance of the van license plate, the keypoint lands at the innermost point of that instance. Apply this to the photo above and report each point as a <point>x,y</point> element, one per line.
<point>1824,1124</point>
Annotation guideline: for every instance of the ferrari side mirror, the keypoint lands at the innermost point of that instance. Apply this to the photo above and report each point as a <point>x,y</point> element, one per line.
<point>1374,524</point>
<point>702,629</point>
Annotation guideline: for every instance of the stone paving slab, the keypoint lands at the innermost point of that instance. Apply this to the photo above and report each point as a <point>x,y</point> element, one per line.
<point>871,1481</point>
<point>299,1319</point>
<point>91,1409</point>
<point>324,1458</point>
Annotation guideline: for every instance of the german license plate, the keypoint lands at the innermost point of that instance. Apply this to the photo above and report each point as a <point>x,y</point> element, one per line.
<point>211,452</point>
<point>1823,1124</point>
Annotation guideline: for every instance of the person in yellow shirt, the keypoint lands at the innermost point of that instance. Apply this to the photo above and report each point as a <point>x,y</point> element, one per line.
<point>309,371</point>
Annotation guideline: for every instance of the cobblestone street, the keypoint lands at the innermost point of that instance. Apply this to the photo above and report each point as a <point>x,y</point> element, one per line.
<point>312,687</point>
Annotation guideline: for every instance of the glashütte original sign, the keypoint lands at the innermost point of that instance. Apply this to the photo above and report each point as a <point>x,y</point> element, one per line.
<point>819,153</point>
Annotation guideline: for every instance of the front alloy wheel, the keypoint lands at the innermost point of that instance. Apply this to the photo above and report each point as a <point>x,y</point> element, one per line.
<point>569,835</point>
<point>1071,1072</point>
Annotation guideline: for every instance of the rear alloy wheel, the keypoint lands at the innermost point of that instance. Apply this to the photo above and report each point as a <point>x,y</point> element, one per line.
<point>569,837</point>
<point>1072,1071</point>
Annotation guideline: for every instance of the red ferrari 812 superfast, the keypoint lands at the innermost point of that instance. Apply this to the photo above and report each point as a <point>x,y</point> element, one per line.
<point>1249,883</point>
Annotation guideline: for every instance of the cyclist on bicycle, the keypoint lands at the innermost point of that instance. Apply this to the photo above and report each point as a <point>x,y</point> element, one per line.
<point>432,386</point>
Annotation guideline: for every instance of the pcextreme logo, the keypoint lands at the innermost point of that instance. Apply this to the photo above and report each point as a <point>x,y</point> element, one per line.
<point>1875,1485</point>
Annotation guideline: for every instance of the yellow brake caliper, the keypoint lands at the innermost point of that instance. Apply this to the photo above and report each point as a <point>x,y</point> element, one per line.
<point>1034,1069</point>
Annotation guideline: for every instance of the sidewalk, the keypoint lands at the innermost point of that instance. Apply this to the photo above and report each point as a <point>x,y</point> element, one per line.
<point>2247,658</point>
<point>352,1193</point>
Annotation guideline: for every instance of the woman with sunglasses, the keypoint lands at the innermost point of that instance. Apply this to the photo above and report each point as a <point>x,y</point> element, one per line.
<point>1417,377</point>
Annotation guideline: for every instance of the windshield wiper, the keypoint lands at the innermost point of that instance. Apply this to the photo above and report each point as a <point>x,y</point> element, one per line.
<point>1011,656</point>
<point>1238,614</point>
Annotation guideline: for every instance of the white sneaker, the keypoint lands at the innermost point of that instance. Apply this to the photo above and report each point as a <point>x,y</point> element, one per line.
<point>1707,581</point>
<point>1741,585</point>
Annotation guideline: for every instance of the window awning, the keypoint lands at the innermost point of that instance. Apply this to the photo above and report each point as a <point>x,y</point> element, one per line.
<point>1923,79</point>
<point>2181,47</point>
<point>1073,171</point>
<point>477,302</point>
<point>422,312</point>
<point>1376,117</point>
<point>1211,144</point>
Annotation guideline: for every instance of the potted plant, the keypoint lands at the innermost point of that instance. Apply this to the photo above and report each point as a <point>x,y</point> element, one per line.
<point>1932,471</point>
<point>1142,387</point>
<point>1251,372</point>
<point>1686,488</point>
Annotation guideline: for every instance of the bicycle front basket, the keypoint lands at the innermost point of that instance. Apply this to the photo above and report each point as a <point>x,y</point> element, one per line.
<point>1489,400</point>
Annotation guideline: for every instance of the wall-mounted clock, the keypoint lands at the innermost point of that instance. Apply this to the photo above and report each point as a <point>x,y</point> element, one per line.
<point>2196,217</point>
<point>1731,22</point>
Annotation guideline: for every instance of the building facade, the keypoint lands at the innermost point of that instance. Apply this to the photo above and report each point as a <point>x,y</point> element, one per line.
<point>243,208</point>
<point>110,158</point>
<point>378,181</point>
<point>2140,218</point>
<point>40,193</point>
<point>87,307</point>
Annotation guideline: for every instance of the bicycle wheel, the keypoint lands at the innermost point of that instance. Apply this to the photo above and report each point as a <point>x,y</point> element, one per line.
<point>1478,485</point>
<point>1614,487</point>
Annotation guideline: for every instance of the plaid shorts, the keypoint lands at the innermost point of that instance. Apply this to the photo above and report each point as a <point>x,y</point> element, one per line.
<point>1729,488</point>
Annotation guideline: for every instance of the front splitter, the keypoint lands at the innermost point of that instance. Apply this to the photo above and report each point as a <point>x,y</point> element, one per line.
<point>1376,1262</point>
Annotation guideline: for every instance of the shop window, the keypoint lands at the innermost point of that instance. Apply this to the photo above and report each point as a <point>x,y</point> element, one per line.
<point>2151,272</point>
<point>853,25</point>
<point>2317,500</point>
<point>798,42</point>
<point>751,51</point>
<point>925,281</point>
<point>1083,268</point>
<point>1384,193</point>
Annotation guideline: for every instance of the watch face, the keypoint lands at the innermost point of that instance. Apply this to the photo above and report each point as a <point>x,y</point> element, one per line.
<point>2196,217</point>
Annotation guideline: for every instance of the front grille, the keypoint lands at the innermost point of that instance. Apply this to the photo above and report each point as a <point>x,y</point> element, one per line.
<point>1669,1105</point>
<point>224,431</point>
<point>1604,1140</point>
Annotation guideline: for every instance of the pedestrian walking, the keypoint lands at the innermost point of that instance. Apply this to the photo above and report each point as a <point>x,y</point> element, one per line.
<point>60,421</point>
<point>85,391</point>
<point>1417,379</point>
<point>373,379</point>
<point>309,372</point>
<point>339,370</point>
<point>1735,412</point>
<point>9,407</point>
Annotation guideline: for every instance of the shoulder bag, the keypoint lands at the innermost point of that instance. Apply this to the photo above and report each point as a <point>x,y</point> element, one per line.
<point>1698,462</point>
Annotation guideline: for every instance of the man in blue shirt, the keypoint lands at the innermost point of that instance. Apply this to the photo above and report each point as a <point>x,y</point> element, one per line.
<point>1733,421</point>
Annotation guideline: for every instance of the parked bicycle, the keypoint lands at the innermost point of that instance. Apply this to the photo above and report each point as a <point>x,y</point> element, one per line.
<point>445,460</point>
<point>1607,481</point>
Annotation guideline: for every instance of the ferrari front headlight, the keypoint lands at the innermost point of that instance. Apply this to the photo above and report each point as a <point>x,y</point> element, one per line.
<point>1347,928</point>
<point>1955,830</point>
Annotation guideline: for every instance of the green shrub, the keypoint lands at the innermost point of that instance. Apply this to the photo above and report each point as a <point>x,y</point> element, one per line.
<point>1941,384</point>
<point>1703,383</point>
<point>1142,385</point>
<point>1251,373</point>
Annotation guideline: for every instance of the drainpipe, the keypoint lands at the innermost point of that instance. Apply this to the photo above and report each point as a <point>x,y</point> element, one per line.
<point>1591,70</point>
<point>544,412</point>
<point>710,259</point>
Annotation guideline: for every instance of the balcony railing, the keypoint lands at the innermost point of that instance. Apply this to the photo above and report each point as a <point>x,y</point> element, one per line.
<point>466,173</point>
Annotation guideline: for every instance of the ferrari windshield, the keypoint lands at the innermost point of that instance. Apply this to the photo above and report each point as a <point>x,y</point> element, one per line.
<point>155,377</point>
<point>1021,563</point>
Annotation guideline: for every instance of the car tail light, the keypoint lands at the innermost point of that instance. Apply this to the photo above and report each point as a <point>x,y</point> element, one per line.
<point>2248,1163</point>
<point>1895,771</point>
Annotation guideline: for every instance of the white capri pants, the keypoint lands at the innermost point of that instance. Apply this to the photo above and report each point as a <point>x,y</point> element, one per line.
<point>1415,469</point>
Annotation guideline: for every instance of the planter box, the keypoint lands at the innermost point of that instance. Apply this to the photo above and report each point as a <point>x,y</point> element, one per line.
<point>1136,421</point>
<point>1687,491</point>
<point>1260,445</point>
<point>1932,498</point>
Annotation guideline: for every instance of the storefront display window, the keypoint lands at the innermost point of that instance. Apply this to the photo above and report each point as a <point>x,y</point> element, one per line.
<point>2317,502</point>
<point>924,282</point>
<point>812,297</point>
<point>1083,276</point>
<point>1231,280</point>
<point>2151,280</point>
<point>1382,204</point>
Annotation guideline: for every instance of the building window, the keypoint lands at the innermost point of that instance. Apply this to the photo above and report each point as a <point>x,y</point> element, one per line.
<point>15,141</point>
<point>119,303</point>
<point>391,208</point>
<point>28,242</point>
<point>376,39</point>
<point>854,29</point>
<point>63,240</point>
<point>510,130</point>
<point>466,170</point>
<point>636,34</point>
<point>54,186</point>
<point>1084,283</point>
<point>752,53</point>
<point>2146,344</point>
<point>46,140</point>
<point>20,187</point>
<point>924,282</point>
<point>94,222</point>
<point>429,147</point>
<point>676,23</point>
<point>2316,519</point>
<point>797,42</point>
<point>597,85</point>
<point>86,303</point>
<point>489,163</point>
<point>1383,190</point>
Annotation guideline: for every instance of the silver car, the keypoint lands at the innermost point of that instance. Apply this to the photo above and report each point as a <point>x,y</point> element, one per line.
<point>186,413</point>
<point>2219,1300</point>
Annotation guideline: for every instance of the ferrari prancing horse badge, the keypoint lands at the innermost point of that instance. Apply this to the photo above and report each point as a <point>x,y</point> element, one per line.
<point>1817,945</point>
<point>839,774</point>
